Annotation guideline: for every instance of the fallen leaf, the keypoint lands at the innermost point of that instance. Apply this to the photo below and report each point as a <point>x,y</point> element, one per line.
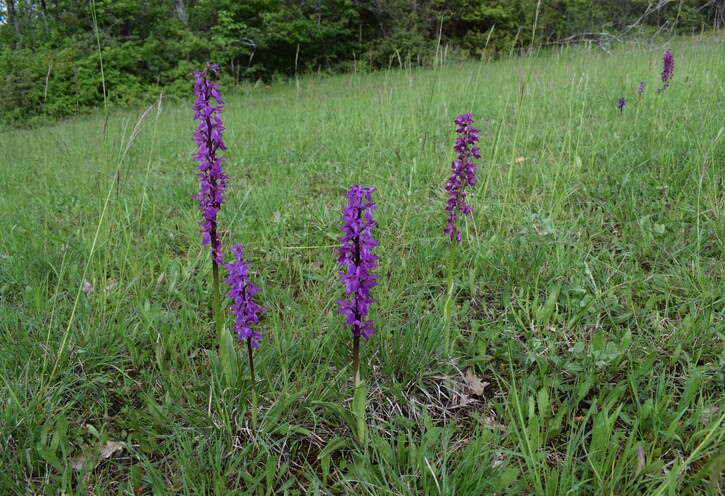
<point>87,287</point>
<point>110,448</point>
<point>78,462</point>
<point>521,159</point>
<point>472,384</point>
<point>104,453</point>
<point>490,423</point>
<point>465,400</point>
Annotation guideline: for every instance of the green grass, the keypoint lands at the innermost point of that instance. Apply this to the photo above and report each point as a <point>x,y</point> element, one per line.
<point>589,289</point>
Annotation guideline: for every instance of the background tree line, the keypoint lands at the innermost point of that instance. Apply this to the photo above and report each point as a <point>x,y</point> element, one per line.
<point>49,58</point>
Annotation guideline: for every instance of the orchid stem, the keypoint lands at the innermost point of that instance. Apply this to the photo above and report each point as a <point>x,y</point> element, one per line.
<point>449,292</point>
<point>254,384</point>
<point>216,303</point>
<point>359,410</point>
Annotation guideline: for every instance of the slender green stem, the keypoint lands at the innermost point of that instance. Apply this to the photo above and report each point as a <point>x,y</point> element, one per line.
<point>449,290</point>
<point>254,384</point>
<point>216,302</point>
<point>103,76</point>
<point>356,359</point>
<point>449,295</point>
<point>358,396</point>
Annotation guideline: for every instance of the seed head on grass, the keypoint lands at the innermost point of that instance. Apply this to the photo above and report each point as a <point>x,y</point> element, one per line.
<point>463,173</point>
<point>208,136</point>
<point>621,103</point>
<point>245,310</point>
<point>357,259</point>
<point>668,66</point>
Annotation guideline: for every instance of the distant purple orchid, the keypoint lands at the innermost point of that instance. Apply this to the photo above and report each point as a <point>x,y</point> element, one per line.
<point>642,86</point>
<point>668,67</point>
<point>357,259</point>
<point>212,180</point>
<point>245,310</point>
<point>621,103</point>
<point>463,174</point>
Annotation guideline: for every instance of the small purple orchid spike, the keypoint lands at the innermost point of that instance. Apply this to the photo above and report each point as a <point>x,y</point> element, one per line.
<point>463,171</point>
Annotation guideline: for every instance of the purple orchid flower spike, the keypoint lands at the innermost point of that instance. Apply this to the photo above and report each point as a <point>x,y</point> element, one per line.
<point>668,67</point>
<point>245,310</point>
<point>463,171</point>
<point>208,136</point>
<point>357,259</point>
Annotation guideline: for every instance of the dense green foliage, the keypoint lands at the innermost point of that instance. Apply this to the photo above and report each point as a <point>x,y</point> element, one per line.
<point>49,50</point>
<point>588,291</point>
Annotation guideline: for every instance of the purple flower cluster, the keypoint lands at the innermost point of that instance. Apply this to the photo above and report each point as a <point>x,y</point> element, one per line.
<point>242,292</point>
<point>463,173</point>
<point>668,66</point>
<point>357,259</point>
<point>208,136</point>
<point>642,86</point>
<point>621,103</point>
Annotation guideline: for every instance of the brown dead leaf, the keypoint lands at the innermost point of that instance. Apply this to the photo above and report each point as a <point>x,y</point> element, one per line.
<point>110,448</point>
<point>472,384</point>
<point>104,453</point>
<point>521,159</point>
<point>465,400</point>
<point>78,462</point>
<point>490,423</point>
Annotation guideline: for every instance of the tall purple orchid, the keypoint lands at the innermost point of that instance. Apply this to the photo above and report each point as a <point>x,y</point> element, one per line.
<point>463,173</point>
<point>246,314</point>
<point>208,136</point>
<point>621,103</point>
<point>212,180</point>
<point>358,261</point>
<point>668,67</point>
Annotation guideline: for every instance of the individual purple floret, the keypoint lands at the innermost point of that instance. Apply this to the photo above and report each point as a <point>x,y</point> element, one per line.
<point>642,86</point>
<point>463,173</point>
<point>621,103</point>
<point>212,180</point>
<point>357,259</point>
<point>246,312</point>
<point>668,66</point>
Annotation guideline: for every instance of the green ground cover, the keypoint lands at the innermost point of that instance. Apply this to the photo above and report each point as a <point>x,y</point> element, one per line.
<point>588,322</point>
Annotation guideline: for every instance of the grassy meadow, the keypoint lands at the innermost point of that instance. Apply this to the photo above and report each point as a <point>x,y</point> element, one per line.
<point>588,324</point>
